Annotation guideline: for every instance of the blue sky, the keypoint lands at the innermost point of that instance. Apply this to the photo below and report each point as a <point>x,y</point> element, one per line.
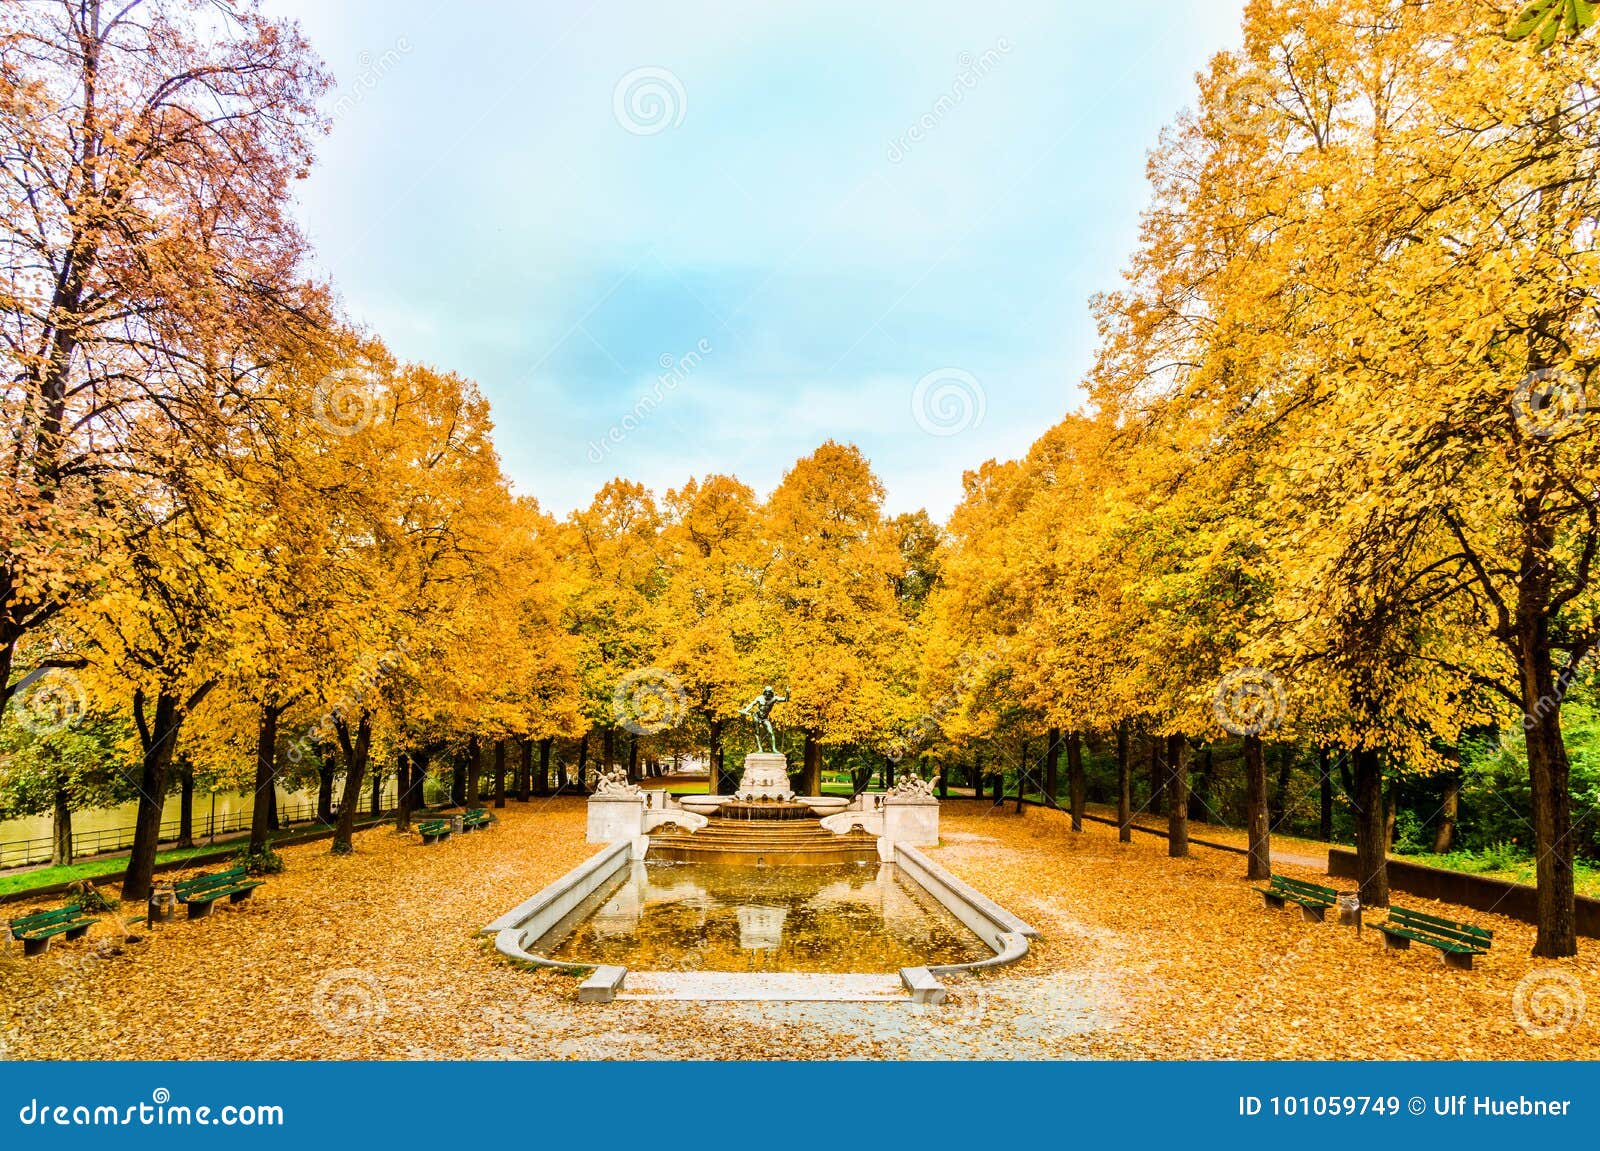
<point>558,199</point>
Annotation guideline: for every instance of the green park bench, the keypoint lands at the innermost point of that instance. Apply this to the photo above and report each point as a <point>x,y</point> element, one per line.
<point>1457,942</point>
<point>433,830</point>
<point>1312,898</point>
<point>475,819</point>
<point>37,930</point>
<point>199,892</point>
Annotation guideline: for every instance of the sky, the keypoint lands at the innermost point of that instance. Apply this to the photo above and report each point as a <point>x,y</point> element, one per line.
<point>668,240</point>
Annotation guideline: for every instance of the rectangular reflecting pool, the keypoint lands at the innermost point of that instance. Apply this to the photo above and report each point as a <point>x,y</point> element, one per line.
<point>864,917</point>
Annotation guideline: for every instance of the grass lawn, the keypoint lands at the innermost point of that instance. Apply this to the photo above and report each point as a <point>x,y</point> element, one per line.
<point>11,883</point>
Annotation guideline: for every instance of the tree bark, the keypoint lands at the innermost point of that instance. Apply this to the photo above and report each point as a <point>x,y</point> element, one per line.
<point>633,758</point>
<point>474,771</point>
<point>1076,780</point>
<point>61,831</point>
<point>714,781</point>
<point>608,747</point>
<point>1178,796</point>
<point>811,771</point>
<point>499,773</point>
<point>1280,796</point>
<point>1158,772</point>
<point>158,739</point>
<point>186,806</point>
<point>1324,797</point>
<point>355,765</point>
<point>1052,765</point>
<point>1372,857</point>
<point>325,784</point>
<point>1259,833</point>
<point>583,761</point>
<point>458,779</point>
<point>266,781</point>
<point>544,765</point>
<point>1549,772</point>
<point>525,776</point>
<point>977,774</point>
<point>402,792</point>
<point>377,793</point>
<point>1124,786</point>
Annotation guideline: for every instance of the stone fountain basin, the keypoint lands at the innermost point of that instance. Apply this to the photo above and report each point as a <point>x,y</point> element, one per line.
<point>820,805</point>
<point>702,804</point>
<point>824,804</point>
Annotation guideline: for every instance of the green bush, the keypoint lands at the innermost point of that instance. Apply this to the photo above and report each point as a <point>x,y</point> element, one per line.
<point>87,897</point>
<point>263,862</point>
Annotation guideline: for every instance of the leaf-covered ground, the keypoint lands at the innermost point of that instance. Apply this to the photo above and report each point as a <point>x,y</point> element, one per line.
<point>376,955</point>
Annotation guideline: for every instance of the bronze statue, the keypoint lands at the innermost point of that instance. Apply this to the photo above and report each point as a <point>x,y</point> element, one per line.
<point>759,711</point>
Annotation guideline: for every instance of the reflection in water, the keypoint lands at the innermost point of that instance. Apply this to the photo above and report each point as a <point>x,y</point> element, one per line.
<point>719,917</point>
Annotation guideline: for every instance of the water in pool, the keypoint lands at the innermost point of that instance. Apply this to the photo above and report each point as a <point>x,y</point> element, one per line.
<point>719,917</point>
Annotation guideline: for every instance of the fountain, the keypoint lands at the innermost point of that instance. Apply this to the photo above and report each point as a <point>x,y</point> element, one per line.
<point>754,864</point>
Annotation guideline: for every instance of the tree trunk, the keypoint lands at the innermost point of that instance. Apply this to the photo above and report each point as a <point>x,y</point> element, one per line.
<point>633,758</point>
<point>608,747</point>
<point>1124,786</point>
<point>458,780</point>
<point>977,775</point>
<point>714,782</point>
<point>377,793</point>
<point>525,775</point>
<point>1391,813</point>
<point>1022,776</point>
<point>1259,829</point>
<point>811,771</point>
<point>355,766</point>
<point>61,831</point>
<point>474,771</point>
<point>1052,764</point>
<point>266,782</point>
<point>1076,781</point>
<point>186,806</point>
<point>544,765</point>
<point>1324,796</point>
<point>1178,796</point>
<point>1549,772</point>
<point>1372,858</point>
<point>1200,786</point>
<point>419,779</point>
<point>158,738</point>
<point>1280,796</point>
<point>583,761</point>
<point>888,773</point>
<point>499,773</point>
<point>325,785</point>
<point>1158,773</point>
<point>402,792</point>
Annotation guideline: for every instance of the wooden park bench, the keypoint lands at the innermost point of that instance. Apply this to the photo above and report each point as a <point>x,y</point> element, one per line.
<point>1457,942</point>
<point>475,819</point>
<point>199,892</point>
<point>433,830</point>
<point>1313,899</point>
<point>37,930</point>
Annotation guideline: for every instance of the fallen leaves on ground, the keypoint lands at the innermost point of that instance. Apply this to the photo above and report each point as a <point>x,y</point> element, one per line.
<point>376,956</point>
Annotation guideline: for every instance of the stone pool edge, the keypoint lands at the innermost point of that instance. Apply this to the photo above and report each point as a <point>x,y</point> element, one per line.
<point>518,928</point>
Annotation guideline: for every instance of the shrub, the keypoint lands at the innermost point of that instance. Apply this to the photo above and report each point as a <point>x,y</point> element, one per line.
<point>263,862</point>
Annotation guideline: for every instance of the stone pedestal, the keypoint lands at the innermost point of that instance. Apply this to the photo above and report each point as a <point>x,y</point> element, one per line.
<point>614,817</point>
<point>911,820</point>
<point>766,776</point>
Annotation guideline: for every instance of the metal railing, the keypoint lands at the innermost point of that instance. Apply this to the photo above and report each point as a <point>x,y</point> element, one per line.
<point>21,852</point>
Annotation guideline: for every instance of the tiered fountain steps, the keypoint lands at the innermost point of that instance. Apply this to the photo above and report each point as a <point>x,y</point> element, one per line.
<point>763,843</point>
